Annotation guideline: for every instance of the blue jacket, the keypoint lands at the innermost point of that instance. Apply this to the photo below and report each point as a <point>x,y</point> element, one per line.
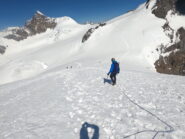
<point>112,67</point>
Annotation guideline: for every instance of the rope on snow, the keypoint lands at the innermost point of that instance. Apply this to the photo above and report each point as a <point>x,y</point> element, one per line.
<point>171,129</point>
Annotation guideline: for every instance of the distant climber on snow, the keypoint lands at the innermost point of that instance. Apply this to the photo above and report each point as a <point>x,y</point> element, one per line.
<point>114,70</point>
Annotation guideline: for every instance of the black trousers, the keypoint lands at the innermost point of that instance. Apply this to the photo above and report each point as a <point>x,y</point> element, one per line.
<point>113,77</point>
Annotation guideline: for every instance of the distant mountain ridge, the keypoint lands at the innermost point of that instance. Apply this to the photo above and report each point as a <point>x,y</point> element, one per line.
<point>164,18</point>
<point>38,24</point>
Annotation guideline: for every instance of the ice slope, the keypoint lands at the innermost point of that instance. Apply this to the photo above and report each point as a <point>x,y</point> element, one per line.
<point>54,105</point>
<point>135,35</point>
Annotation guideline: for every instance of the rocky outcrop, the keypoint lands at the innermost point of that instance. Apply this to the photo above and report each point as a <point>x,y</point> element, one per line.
<point>174,62</point>
<point>172,57</point>
<point>168,31</point>
<point>90,31</point>
<point>38,24</point>
<point>162,7</point>
<point>18,34</point>
<point>2,49</point>
<point>87,35</point>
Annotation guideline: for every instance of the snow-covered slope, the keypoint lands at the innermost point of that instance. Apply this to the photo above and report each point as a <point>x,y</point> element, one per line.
<point>37,53</point>
<point>126,37</point>
<point>51,83</point>
<point>56,104</point>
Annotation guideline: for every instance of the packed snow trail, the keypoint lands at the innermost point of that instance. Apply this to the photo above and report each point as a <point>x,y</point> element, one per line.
<point>57,103</point>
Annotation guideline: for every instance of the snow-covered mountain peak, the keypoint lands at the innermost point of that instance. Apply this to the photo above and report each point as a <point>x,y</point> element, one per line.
<point>39,23</point>
<point>37,17</point>
<point>65,20</point>
<point>39,13</point>
<point>135,36</point>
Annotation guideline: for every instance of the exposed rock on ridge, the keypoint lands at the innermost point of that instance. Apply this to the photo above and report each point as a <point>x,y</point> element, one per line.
<point>172,57</point>
<point>162,7</point>
<point>38,24</point>
<point>174,63</point>
<point>90,31</point>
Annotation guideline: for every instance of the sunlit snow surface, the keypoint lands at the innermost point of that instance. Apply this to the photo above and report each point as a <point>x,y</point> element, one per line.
<point>52,83</point>
<point>126,37</point>
<point>56,104</point>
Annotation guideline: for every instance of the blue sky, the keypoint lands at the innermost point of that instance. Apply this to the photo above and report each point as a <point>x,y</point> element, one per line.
<point>16,12</point>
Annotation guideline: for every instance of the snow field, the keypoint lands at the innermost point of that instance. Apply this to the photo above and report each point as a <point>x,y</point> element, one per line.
<point>56,104</point>
<point>126,36</point>
<point>51,83</point>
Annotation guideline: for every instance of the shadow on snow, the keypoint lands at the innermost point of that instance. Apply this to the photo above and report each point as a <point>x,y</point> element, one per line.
<point>84,131</point>
<point>105,80</point>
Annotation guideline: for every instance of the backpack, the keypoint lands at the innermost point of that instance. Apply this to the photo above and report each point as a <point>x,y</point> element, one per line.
<point>116,67</point>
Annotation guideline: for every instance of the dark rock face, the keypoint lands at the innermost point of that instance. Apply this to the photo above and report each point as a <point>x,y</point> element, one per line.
<point>18,34</point>
<point>147,3</point>
<point>38,24</point>
<point>88,34</point>
<point>2,49</point>
<point>175,62</point>
<point>90,31</point>
<point>102,24</point>
<point>181,44</point>
<point>172,59</point>
<point>162,7</point>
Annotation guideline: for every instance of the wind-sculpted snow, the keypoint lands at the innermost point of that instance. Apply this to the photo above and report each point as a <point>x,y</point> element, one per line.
<point>57,103</point>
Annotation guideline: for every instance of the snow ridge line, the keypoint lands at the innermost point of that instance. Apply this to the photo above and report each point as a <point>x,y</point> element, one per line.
<point>171,129</point>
